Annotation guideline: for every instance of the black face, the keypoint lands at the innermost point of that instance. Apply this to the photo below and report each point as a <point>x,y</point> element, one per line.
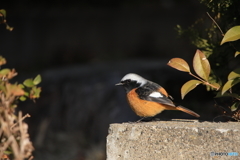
<point>130,84</point>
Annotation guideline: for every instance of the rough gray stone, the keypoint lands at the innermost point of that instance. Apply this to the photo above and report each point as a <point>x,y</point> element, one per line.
<point>165,140</point>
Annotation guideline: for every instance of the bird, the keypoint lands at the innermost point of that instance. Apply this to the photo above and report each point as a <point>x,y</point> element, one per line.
<point>147,99</point>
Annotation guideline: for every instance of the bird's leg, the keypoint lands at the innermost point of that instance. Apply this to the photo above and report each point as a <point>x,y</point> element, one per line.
<point>145,119</point>
<point>140,119</point>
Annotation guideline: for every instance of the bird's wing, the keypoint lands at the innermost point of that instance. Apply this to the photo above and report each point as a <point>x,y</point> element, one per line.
<point>156,94</point>
<point>159,98</point>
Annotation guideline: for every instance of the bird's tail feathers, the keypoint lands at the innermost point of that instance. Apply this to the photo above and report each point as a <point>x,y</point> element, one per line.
<point>181,108</point>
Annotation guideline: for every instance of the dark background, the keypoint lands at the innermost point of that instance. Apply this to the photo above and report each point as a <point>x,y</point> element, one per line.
<point>81,49</point>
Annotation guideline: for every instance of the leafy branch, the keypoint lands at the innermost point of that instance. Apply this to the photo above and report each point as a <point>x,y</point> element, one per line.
<point>14,139</point>
<point>3,20</point>
<point>202,68</point>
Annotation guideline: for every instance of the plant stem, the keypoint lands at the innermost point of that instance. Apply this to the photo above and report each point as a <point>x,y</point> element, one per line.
<point>215,23</point>
<point>197,77</point>
<point>205,82</point>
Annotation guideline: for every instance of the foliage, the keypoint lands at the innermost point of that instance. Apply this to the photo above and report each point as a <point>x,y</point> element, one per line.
<point>220,49</point>
<point>232,34</point>
<point>15,142</point>
<point>201,67</point>
<point>3,20</point>
<point>207,32</point>
<point>14,139</point>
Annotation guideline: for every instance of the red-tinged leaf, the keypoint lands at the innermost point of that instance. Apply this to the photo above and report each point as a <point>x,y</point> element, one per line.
<point>232,34</point>
<point>236,53</point>
<point>17,91</point>
<point>13,89</point>
<point>229,84</point>
<point>35,92</point>
<point>234,74</point>
<point>201,65</point>
<point>179,64</point>
<point>188,86</point>
<point>235,106</point>
<point>5,155</point>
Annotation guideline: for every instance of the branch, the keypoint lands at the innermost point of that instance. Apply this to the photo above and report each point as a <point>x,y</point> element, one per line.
<point>215,23</point>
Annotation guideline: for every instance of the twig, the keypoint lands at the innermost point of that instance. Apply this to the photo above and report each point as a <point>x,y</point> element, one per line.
<point>27,115</point>
<point>205,82</point>
<point>31,158</point>
<point>6,145</point>
<point>215,23</point>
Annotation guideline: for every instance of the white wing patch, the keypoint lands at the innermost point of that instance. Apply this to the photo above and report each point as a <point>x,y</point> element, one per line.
<point>156,94</point>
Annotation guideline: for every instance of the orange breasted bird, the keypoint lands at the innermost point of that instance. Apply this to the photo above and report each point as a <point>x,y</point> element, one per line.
<point>147,98</point>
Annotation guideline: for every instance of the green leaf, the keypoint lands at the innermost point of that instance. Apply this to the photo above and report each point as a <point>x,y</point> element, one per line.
<point>22,98</point>
<point>188,86</point>
<point>8,152</point>
<point>236,53</point>
<point>201,65</point>
<point>3,13</point>
<point>229,84</point>
<point>232,34</point>
<point>4,71</point>
<point>22,86</point>
<point>26,94</point>
<point>179,64</point>
<point>37,80</point>
<point>2,61</point>
<point>3,88</point>
<point>226,94</point>
<point>235,106</point>
<point>234,74</point>
<point>28,83</point>
<point>35,92</point>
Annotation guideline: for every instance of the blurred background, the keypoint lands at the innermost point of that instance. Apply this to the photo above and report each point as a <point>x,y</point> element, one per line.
<point>82,49</point>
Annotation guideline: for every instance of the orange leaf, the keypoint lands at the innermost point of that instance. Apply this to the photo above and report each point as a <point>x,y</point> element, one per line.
<point>18,91</point>
<point>201,65</point>
<point>14,89</point>
<point>179,64</point>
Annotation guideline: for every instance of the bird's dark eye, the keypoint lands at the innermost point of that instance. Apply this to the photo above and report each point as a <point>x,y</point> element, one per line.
<point>128,81</point>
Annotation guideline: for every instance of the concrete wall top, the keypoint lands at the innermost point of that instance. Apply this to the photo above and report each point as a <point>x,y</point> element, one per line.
<point>173,140</point>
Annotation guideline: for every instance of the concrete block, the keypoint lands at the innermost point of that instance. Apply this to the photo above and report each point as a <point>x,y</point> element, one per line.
<point>178,139</point>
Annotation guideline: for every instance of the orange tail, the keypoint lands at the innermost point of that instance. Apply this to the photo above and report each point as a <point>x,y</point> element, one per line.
<point>181,108</point>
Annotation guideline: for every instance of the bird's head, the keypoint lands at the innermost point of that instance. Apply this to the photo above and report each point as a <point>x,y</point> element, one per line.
<point>131,81</point>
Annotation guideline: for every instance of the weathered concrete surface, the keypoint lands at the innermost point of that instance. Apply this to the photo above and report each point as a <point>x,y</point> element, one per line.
<point>165,140</point>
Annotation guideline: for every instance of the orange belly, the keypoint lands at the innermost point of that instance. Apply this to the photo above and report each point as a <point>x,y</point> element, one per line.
<point>145,108</point>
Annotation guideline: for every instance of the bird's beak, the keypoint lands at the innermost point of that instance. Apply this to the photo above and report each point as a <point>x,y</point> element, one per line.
<point>119,84</point>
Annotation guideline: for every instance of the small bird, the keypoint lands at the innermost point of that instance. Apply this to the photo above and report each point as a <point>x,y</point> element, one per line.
<point>147,98</point>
